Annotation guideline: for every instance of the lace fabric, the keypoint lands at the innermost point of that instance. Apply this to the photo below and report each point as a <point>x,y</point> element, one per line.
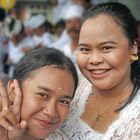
<point>126,127</point>
<point>57,135</point>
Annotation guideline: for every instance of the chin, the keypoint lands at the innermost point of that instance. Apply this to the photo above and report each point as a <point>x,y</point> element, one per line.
<point>39,134</point>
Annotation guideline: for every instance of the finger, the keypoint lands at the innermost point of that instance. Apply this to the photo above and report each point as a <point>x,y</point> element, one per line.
<point>4,97</point>
<point>11,118</point>
<point>23,124</point>
<point>17,99</point>
<point>4,123</point>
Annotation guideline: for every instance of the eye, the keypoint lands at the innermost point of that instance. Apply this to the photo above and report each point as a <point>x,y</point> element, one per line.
<point>84,50</point>
<point>43,95</point>
<point>107,48</point>
<point>65,101</point>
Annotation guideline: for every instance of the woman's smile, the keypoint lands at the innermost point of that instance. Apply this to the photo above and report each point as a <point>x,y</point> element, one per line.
<point>45,123</point>
<point>99,73</point>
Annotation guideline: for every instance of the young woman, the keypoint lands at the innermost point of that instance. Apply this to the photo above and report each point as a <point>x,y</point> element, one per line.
<point>107,108</point>
<point>40,96</point>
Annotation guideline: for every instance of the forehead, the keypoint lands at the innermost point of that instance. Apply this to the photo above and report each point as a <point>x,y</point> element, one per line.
<point>102,20</point>
<point>51,76</point>
<point>48,71</point>
<point>101,26</point>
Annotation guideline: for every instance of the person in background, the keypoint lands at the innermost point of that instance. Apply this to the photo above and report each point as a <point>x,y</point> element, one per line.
<point>2,17</point>
<point>59,27</point>
<point>56,10</point>
<point>28,42</point>
<point>72,22</point>
<point>15,32</point>
<point>20,12</point>
<point>40,95</point>
<point>2,39</point>
<point>42,36</point>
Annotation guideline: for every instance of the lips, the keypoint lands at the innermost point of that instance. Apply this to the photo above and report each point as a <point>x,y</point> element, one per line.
<point>45,123</point>
<point>99,73</point>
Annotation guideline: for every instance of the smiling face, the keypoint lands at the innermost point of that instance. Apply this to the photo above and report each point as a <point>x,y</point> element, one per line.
<point>104,53</point>
<point>46,100</point>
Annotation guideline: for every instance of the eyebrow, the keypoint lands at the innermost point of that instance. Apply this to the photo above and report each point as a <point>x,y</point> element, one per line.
<point>108,42</point>
<point>48,90</point>
<point>103,43</point>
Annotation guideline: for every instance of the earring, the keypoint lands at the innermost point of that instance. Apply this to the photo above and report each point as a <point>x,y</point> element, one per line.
<point>134,57</point>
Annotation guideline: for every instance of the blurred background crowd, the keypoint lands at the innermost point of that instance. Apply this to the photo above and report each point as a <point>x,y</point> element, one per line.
<point>29,24</point>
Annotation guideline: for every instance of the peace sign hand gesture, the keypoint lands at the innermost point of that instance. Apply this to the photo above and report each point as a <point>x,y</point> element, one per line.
<point>10,125</point>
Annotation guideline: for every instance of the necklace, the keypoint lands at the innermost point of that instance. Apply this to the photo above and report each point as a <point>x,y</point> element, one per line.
<point>116,105</point>
<point>100,115</point>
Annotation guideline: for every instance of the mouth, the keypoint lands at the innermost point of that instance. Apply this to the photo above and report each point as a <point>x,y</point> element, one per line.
<point>99,73</point>
<point>45,123</point>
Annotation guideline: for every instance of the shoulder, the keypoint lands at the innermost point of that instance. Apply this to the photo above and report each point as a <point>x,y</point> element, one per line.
<point>127,126</point>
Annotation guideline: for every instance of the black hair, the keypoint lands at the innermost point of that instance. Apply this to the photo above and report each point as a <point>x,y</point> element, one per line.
<point>60,23</point>
<point>2,14</point>
<point>124,18</point>
<point>41,57</point>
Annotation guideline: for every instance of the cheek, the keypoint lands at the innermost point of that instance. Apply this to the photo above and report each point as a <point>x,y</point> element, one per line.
<point>29,107</point>
<point>63,112</point>
<point>81,60</point>
<point>119,60</point>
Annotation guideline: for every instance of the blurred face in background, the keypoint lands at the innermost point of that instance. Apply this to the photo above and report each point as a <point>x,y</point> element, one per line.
<point>73,27</point>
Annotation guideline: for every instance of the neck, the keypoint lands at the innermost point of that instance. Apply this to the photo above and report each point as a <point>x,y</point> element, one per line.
<point>119,92</point>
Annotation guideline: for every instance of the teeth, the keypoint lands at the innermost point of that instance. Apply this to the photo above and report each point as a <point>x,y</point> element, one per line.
<point>99,71</point>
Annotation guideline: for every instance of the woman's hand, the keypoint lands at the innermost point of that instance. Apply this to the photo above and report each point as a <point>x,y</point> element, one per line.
<point>10,114</point>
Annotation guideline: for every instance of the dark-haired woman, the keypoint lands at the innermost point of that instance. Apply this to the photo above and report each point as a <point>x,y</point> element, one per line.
<point>108,106</point>
<point>39,102</point>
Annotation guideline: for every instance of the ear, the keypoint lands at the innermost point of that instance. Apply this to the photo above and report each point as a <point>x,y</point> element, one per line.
<point>11,90</point>
<point>134,49</point>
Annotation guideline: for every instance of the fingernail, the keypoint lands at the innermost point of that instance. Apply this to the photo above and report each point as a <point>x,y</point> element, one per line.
<point>10,128</point>
<point>15,81</point>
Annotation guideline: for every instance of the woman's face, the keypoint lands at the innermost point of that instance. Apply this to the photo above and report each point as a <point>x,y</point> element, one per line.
<point>104,53</point>
<point>47,95</point>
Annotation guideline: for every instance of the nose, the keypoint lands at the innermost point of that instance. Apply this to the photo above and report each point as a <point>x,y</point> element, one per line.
<point>95,58</point>
<point>50,109</point>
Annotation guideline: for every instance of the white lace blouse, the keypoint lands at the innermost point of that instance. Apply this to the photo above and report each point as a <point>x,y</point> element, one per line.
<point>126,127</point>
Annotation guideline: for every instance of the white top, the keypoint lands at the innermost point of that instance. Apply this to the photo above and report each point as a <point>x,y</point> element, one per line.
<point>15,53</point>
<point>66,49</point>
<point>126,127</point>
